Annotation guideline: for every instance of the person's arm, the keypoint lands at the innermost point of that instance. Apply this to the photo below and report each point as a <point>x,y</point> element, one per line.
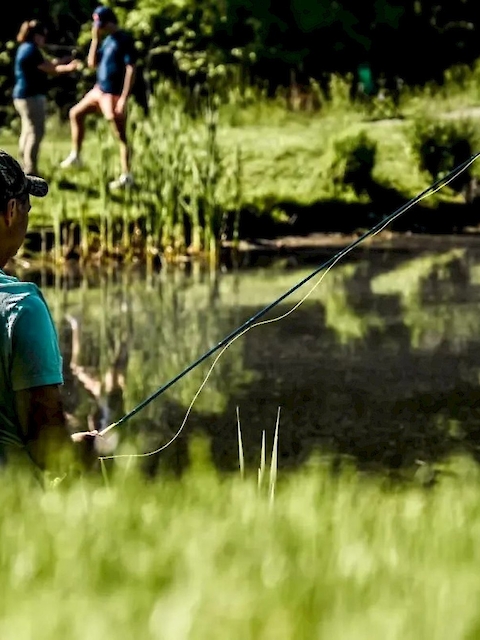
<point>55,69</point>
<point>42,421</point>
<point>63,60</point>
<point>36,376</point>
<point>127,88</point>
<point>93,50</point>
<point>44,426</point>
<point>36,59</point>
<point>128,81</point>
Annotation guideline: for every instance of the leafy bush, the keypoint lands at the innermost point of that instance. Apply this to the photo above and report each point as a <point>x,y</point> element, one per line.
<point>353,161</point>
<point>442,145</point>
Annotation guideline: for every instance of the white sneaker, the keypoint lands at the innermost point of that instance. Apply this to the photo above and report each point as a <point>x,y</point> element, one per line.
<point>124,181</point>
<point>72,160</point>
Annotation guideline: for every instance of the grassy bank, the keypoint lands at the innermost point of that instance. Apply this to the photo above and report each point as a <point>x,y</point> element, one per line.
<point>196,178</point>
<point>334,556</point>
<point>284,157</point>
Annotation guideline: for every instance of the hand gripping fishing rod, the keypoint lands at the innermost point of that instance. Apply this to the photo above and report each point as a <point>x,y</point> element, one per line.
<point>335,258</point>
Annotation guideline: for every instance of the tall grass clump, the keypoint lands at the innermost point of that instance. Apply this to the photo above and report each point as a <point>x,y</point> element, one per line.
<point>185,181</point>
<point>459,88</point>
<point>251,106</point>
<point>339,93</point>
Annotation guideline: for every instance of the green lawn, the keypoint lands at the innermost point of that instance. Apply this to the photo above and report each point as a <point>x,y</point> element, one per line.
<point>264,159</point>
<point>287,157</point>
<point>209,557</point>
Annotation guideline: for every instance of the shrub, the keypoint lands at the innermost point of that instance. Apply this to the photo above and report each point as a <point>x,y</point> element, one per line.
<point>442,145</point>
<point>353,161</point>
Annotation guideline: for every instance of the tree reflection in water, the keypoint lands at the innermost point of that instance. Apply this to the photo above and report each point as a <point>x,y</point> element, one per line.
<point>381,363</point>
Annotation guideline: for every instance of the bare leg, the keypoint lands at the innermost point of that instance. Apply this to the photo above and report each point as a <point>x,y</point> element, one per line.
<point>88,104</point>
<point>118,122</point>
<point>77,128</point>
<point>120,132</point>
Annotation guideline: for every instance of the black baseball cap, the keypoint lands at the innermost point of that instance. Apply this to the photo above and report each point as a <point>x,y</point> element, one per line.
<point>104,15</point>
<point>14,183</point>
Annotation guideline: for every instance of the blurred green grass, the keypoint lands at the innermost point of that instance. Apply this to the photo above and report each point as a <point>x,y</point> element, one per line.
<point>337,555</point>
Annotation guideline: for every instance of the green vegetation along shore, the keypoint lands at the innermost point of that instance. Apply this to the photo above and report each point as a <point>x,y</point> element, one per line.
<point>254,168</point>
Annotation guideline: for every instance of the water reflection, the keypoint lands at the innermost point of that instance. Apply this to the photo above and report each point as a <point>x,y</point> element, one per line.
<point>382,362</point>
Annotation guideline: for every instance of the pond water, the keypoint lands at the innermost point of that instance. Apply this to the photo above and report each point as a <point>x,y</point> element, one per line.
<point>381,362</point>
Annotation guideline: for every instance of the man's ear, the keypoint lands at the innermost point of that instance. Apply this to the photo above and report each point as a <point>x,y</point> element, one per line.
<point>8,212</point>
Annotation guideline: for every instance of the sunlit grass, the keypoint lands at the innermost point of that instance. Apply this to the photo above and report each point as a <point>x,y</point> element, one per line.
<point>336,555</point>
<point>251,153</point>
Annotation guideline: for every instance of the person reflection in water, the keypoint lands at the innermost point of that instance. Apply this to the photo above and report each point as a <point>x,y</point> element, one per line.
<point>104,397</point>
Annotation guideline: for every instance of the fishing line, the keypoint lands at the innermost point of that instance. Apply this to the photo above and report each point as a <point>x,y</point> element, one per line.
<point>251,322</point>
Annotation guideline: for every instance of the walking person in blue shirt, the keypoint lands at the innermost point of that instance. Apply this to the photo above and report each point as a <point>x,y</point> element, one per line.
<point>29,93</point>
<point>114,61</point>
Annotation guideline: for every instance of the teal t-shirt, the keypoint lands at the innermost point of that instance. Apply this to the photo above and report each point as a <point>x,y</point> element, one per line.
<point>29,350</point>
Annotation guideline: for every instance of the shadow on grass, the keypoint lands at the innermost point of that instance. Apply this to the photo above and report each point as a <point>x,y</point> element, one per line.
<point>334,216</point>
<point>87,192</point>
<point>257,225</point>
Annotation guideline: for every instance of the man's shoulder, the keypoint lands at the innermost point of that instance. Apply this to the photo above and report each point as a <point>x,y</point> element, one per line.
<point>12,283</point>
<point>13,293</point>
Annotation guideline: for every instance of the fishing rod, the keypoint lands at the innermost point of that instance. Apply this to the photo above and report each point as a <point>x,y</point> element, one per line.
<point>328,263</point>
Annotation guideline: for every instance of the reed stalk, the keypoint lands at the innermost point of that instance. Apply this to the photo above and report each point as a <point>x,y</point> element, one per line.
<point>274,462</point>
<point>241,458</point>
<point>262,467</point>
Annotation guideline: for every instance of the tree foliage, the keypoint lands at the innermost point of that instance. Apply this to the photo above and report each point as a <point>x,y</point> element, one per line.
<point>198,40</point>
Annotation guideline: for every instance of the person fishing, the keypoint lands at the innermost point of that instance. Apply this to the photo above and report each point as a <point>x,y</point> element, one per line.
<point>114,59</point>
<point>31,70</point>
<point>32,418</point>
